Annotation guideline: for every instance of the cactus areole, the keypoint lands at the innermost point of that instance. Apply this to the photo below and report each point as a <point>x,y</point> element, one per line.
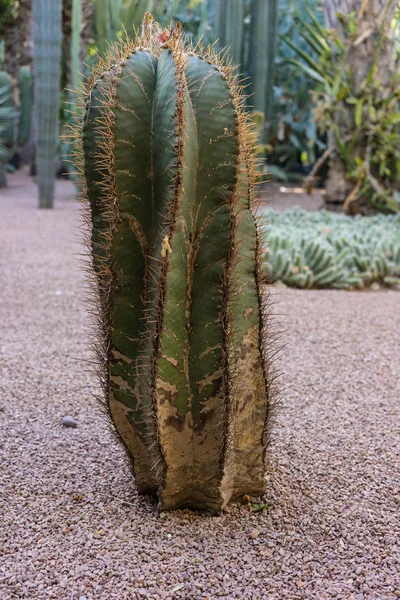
<point>168,175</point>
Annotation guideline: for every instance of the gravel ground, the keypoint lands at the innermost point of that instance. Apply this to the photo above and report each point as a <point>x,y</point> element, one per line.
<point>71,523</point>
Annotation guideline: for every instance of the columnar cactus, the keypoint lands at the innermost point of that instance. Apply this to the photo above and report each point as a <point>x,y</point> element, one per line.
<point>169,175</point>
<point>25,99</point>
<point>47,66</point>
<point>7,129</point>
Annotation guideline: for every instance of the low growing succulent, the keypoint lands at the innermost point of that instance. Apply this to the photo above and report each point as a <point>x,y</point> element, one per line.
<point>326,250</point>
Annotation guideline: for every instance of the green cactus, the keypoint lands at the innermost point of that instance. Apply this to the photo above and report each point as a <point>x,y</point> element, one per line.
<point>7,124</point>
<point>325,250</point>
<point>75,48</point>
<point>8,101</point>
<point>107,22</point>
<point>68,144</point>
<point>264,24</point>
<point>169,176</point>
<point>133,11</point>
<point>47,64</point>
<point>25,99</point>
<point>230,15</point>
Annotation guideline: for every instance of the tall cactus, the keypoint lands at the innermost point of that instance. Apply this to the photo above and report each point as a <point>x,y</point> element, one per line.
<point>107,23</point>
<point>133,11</point>
<point>230,15</point>
<point>264,23</point>
<point>47,65</point>
<point>25,99</point>
<point>169,176</point>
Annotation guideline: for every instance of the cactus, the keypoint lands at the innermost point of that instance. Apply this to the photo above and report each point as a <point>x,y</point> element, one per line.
<point>252,47</point>
<point>67,147</point>
<point>133,11</point>
<point>230,15</point>
<point>264,25</point>
<point>25,99</point>
<point>325,250</point>
<point>75,49</point>
<point>8,117</point>
<point>8,101</point>
<point>107,23</point>
<point>47,64</point>
<point>169,177</point>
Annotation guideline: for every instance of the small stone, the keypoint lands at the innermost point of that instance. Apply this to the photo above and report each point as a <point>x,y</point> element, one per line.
<point>68,421</point>
<point>254,533</point>
<point>375,287</point>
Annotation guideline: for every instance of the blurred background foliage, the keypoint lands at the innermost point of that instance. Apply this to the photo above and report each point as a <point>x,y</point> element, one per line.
<point>252,30</point>
<point>294,70</point>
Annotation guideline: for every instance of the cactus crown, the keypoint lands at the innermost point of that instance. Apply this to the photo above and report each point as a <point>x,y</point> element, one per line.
<point>168,170</point>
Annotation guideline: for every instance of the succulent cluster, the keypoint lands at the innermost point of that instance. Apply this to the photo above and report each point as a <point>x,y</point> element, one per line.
<point>326,250</point>
<point>168,173</point>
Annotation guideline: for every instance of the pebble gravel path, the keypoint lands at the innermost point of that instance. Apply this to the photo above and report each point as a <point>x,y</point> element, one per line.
<point>71,524</point>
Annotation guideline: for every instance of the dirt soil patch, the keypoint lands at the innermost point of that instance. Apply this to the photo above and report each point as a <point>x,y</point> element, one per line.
<point>72,526</point>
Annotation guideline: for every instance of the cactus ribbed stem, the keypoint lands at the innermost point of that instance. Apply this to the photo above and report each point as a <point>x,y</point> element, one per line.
<point>6,86</point>
<point>132,14</point>
<point>107,23</point>
<point>169,175</point>
<point>47,64</point>
<point>7,130</point>
<point>230,16</point>
<point>76,65</point>
<point>25,98</point>
<point>262,55</point>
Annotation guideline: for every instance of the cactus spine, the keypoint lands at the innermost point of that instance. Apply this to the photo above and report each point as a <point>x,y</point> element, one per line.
<point>169,175</point>
<point>25,99</point>
<point>47,64</point>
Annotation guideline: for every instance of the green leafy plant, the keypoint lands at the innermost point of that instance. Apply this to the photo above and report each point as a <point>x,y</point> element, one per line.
<point>293,134</point>
<point>169,177</point>
<point>326,250</point>
<point>364,121</point>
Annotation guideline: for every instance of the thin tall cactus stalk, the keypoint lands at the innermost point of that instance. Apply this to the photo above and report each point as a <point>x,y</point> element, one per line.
<point>264,19</point>
<point>25,98</point>
<point>230,15</point>
<point>107,23</point>
<point>76,65</point>
<point>47,65</point>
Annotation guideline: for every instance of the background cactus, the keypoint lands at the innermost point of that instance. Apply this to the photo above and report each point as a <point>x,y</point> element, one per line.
<point>326,250</point>
<point>264,20</point>
<point>169,176</point>
<point>229,30</point>
<point>47,64</point>
<point>25,100</point>
<point>107,23</point>
<point>8,130</point>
